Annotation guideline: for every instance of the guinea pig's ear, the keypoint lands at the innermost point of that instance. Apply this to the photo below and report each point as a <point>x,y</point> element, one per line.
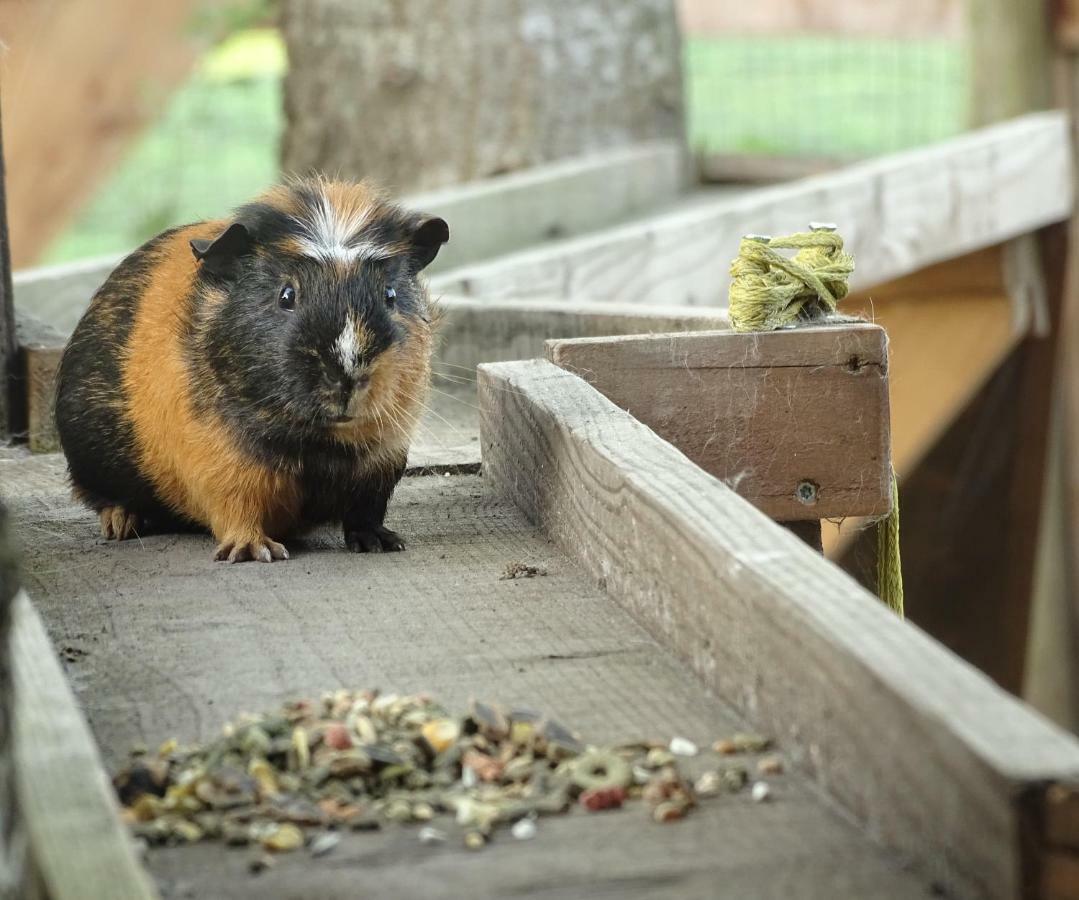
<point>217,256</point>
<point>429,233</point>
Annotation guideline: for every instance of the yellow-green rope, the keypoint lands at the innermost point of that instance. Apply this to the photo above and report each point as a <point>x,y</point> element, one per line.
<point>770,290</point>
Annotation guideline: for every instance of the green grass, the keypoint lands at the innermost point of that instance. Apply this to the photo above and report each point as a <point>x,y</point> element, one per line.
<point>214,147</point>
<point>216,144</point>
<point>821,96</point>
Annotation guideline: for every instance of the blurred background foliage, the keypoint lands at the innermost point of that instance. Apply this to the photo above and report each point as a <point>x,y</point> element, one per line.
<point>216,141</point>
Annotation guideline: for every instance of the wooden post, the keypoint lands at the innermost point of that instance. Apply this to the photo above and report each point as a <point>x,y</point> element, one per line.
<point>7,312</point>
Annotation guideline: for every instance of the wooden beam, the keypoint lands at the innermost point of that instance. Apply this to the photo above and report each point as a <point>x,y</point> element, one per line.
<point>931,757</point>
<point>795,422</point>
<point>40,349</point>
<point>7,313</point>
<point>898,213</point>
<point>1066,23</point>
<point>753,168</point>
<point>78,843</point>
<point>1010,59</point>
<point>510,212</point>
<point>835,18</point>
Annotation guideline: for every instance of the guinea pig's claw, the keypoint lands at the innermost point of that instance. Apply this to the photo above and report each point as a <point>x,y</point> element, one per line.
<point>261,549</point>
<point>117,523</point>
<point>373,540</point>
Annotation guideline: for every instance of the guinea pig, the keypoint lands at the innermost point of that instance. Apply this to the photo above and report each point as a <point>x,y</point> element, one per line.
<point>256,376</point>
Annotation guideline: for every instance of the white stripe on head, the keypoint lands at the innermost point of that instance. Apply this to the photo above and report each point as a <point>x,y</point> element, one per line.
<point>328,233</point>
<point>347,348</point>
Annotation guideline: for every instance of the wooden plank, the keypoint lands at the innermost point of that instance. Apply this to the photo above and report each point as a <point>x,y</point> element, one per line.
<point>756,168</point>
<point>509,212</point>
<point>832,18</point>
<point>926,752</point>
<point>8,421</point>
<point>78,843</point>
<point>795,422</point>
<point>40,349</point>
<point>898,214</point>
<point>1060,876</point>
<point>488,217</point>
<point>1062,817</point>
<point>159,634</point>
<point>1066,23</point>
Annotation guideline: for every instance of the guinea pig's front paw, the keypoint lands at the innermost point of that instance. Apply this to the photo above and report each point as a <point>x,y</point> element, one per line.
<point>241,549</point>
<point>118,524</point>
<point>373,540</point>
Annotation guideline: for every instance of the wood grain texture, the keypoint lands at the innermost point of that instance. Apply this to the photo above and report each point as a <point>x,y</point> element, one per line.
<point>922,749</point>
<point>1060,876</point>
<point>497,215</point>
<point>40,349</point>
<point>898,214</point>
<point>78,843</point>
<point>166,644</point>
<point>8,422</point>
<point>795,422</point>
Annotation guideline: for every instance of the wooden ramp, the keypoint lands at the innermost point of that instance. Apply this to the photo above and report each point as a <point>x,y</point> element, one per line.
<point>165,643</point>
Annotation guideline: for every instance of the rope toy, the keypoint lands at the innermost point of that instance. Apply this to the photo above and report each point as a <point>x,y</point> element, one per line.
<point>771,291</point>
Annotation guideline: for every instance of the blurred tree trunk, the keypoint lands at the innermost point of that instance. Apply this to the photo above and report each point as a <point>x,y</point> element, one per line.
<point>419,95</point>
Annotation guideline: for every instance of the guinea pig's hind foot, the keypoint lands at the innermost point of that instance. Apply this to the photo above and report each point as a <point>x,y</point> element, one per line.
<point>117,524</point>
<point>260,548</point>
<point>373,540</point>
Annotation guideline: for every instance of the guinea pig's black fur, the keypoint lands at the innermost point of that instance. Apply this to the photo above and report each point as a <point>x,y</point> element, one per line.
<point>256,376</point>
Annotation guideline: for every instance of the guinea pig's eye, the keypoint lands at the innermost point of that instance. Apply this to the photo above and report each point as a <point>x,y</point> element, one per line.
<point>287,300</point>
<point>391,295</point>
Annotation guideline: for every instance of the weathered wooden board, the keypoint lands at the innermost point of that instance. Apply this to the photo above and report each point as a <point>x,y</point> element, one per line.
<point>795,421</point>
<point>509,212</point>
<point>913,18</point>
<point>40,348</point>
<point>163,643</point>
<point>898,214</point>
<point>925,751</point>
<point>78,844</point>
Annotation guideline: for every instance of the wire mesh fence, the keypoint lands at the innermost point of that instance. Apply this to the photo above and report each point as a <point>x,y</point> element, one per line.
<point>822,95</point>
<point>766,92</point>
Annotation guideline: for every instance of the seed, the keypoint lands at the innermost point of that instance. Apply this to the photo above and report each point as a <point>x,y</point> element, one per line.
<point>365,728</point>
<point>734,779</point>
<point>657,758</point>
<point>440,734</point>
<point>325,843</point>
<point>301,748</point>
<point>770,765</point>
<point>668,812</point>
<point>597,799</point>
<point>423,812</point>
<point>337,737</point>
<point>761,792</point>
<point>398,811</point>
<point>709,784</point>
<point>186,831</point>
<point>524,830</point>
<point>725,746</point>
<point>680,746</point>
<point>751,743</point>
<point>474,840</point>
<point>282,838</point>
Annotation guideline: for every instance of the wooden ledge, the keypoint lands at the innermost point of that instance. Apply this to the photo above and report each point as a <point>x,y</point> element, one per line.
<point>928,754</point>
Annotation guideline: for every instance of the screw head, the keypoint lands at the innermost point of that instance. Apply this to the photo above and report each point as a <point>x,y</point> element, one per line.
<point>823,226</point>
<point>759,238</point>
<point>806,492</point>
